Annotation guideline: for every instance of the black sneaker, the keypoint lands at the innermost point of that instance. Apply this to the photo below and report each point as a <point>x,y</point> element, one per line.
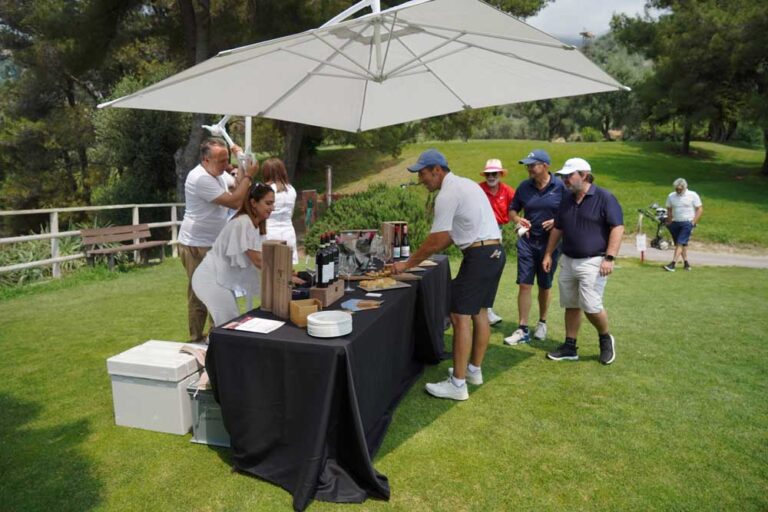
<point>607,349</point>
<point>686,266</point>
<point>670,267</point>
<point>565,352</point>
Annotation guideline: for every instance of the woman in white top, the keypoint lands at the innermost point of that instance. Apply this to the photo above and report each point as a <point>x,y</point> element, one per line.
<point>233,264</point>
<point>280,223</point>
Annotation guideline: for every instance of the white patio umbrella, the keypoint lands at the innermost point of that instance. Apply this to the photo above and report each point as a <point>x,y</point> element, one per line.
<point>420,59</point>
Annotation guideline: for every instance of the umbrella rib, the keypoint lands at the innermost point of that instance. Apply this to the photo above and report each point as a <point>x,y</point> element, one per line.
<point>524,40</point>
<point>302,81</point>
<point>389,42</point>
<point>350,59</point>
<point>365,92</point>
<point>416,57</point>
<point>325,62</point>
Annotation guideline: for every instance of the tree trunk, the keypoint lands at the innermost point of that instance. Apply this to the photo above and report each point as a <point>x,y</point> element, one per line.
<point>687,129</point>
<point>293,135</point>
<point>187,157</point>
<point>606,126</point>
<point>765,145</point>
<point>196,22</point>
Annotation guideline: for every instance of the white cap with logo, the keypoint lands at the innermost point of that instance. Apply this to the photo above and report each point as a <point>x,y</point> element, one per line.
<point>575,164</point>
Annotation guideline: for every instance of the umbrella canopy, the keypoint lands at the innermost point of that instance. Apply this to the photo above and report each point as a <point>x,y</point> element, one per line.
<point>420,59</point>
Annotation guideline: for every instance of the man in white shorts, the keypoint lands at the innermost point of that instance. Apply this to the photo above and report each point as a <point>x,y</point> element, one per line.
<point>590,223</point>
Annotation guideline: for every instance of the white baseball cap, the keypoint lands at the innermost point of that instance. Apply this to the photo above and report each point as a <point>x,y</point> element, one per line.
<point>575,164</point>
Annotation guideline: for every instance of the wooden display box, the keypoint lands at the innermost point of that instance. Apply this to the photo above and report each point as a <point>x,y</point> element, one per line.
<point>301,309</point>
<point>276,273</point>
<point>329,295</point>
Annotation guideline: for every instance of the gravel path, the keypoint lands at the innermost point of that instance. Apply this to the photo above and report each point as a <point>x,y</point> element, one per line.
<point>699,257</point>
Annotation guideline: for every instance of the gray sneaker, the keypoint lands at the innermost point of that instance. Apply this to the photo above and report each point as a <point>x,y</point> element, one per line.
<point>474,378</point>
<point>541,331</point>
<point>446,389</point>
<point>517,338</point>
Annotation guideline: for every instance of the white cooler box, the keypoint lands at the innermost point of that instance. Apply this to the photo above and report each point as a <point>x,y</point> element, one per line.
<point>149,387</point>
<point>207,423</point>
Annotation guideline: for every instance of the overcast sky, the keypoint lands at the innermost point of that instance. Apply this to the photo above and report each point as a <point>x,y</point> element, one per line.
<point>566,18</point>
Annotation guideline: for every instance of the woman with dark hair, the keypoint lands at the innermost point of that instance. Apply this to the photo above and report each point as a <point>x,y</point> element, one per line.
<point>233,265</point>
<point>280,223</point>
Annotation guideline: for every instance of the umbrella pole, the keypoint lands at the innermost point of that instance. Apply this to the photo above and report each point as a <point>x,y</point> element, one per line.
<point>248,122</point>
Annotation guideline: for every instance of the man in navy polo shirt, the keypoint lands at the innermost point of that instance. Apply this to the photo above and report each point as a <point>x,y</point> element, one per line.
<point>540,197</point>
<point>590,223</point>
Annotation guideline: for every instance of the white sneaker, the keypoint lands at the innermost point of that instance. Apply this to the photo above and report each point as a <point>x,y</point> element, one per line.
<point>493,318</point>
<point>446,389</point>
<point>541,331</point>
<point>518,337</point>
<point>474,378</point>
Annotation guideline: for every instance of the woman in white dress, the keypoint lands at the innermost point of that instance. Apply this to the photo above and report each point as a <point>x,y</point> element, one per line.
<point>280,223</point>
<point>233,265</point>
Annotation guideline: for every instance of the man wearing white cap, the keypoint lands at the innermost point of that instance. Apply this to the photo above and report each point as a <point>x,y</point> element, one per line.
<point>462,217</point>
<point>500,196</point>
<point>590,223</point>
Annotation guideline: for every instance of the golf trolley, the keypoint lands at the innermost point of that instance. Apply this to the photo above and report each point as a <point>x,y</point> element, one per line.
<point>657,214</point>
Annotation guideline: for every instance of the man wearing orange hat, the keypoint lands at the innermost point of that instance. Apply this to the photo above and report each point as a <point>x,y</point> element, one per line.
<point>500,196</point>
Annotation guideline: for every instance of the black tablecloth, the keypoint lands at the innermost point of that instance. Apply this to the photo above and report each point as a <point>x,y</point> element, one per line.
<point>309,414</point>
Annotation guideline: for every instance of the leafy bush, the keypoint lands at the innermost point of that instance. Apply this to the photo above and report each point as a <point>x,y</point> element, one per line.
<point>380,203</point>
<point>589,134</point>
<point>35,250</point>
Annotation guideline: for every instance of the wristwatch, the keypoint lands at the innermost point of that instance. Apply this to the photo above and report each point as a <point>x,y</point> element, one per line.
<point>609,257</point>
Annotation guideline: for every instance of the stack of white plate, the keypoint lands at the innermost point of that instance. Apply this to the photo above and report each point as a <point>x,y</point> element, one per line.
<point>329,324</point>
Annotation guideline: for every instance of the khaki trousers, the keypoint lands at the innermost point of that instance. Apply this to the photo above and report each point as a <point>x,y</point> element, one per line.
<point>191,257</point>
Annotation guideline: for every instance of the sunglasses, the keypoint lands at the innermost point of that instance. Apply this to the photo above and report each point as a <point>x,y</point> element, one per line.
<point>492,174</point>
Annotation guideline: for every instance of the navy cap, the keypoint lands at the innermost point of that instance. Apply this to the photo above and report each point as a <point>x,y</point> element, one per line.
<point>429,158</point>
<point>536,156</point>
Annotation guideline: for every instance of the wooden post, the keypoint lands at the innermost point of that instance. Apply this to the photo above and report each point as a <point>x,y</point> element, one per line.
<point>174,232</point>
<point>136,254</point>
<point>328,185</point>
<point>54,226</point>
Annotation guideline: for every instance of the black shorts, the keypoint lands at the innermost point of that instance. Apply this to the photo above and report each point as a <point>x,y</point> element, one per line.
<point>478,279</point>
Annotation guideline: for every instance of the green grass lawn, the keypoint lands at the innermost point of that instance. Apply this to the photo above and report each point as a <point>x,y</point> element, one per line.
<point>727,178</point>
<point>678,422</point>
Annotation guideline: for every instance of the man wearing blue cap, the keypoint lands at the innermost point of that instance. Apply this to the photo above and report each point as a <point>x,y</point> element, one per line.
<point>540,197</point>
<point>463,216</point>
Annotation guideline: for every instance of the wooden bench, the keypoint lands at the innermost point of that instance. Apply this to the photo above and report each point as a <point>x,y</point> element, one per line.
<point>135,234</point>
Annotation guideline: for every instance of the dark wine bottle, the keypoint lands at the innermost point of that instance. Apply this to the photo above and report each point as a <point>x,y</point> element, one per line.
<point>320,260</point>
<point>405,244</point>
<point>396,243</point>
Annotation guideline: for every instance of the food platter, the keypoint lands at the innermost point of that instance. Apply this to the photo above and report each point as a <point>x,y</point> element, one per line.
<point>373,286</point>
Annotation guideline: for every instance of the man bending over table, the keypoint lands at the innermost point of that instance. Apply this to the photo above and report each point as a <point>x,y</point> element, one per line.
<point>463,216</point>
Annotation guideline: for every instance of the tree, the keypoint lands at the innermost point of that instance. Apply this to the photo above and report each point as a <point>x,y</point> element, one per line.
<point>710,63</point>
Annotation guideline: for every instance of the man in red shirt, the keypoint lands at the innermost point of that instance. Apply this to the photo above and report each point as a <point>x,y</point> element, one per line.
<point>500,196</point>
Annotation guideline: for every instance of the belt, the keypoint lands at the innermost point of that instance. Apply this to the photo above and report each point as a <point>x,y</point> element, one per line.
<point>481,243</point>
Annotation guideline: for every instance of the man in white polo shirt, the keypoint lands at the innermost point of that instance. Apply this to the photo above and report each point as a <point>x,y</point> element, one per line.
<point>463,216</point>
<point>209,193</point>
<point>684,210</point>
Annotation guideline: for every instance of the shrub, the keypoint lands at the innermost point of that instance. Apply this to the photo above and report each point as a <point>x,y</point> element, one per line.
<point>380,203</point>
<point>589,134</point>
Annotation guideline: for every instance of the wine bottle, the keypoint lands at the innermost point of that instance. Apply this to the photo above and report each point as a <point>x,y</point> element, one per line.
<point>320,264</point>
<point>328,260</point>
<point>336,256</point>
<point>396,244</point>
<point>405,244</point>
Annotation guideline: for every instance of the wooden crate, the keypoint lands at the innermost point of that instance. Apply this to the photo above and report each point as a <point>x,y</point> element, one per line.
<point>329,295</point>
<point>276,272</point>
<point>388,231</point>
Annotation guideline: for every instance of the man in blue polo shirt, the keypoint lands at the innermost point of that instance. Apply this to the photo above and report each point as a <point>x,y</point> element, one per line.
<point>540,197</point>
<point>590,223</point>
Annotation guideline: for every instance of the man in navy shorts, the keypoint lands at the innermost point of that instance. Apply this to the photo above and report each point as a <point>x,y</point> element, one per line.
<point>463,216</point>
<point>684,210</point>
<point>539,196</point>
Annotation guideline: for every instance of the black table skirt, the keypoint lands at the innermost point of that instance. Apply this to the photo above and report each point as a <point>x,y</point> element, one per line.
<point>309,414</point>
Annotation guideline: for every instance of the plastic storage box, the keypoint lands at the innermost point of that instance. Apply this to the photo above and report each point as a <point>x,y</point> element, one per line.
<point>207,424</point>
<point>149,387</point>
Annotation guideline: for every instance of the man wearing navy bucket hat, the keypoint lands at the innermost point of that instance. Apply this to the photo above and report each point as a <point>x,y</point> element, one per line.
<point>463,216</point>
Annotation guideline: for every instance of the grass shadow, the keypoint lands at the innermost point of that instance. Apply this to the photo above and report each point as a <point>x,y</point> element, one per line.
<point>65,481</point>
<point>418,409</point>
